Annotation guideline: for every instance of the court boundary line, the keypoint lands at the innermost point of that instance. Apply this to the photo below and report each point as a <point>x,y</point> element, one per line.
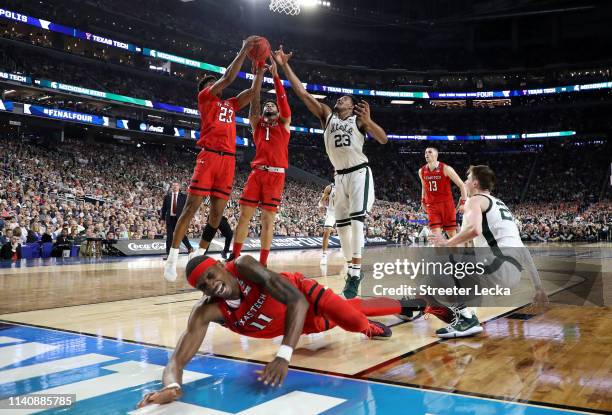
<point>454,392</point>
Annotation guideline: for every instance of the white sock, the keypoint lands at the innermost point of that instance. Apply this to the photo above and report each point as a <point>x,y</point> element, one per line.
<point>466,312</point>
<point>173,254</point>
<point>357,238</point>
<point>355,270</point>
<point>199,252</point>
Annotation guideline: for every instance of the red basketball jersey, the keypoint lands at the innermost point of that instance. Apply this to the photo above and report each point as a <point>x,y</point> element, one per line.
<point>271,145</point>
<point>217,122</point>
<point>437,185</point>
<point>256,314</point>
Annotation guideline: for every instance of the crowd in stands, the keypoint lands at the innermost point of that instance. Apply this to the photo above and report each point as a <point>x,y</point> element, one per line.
<point>70,191</point>
<point>172,28</point>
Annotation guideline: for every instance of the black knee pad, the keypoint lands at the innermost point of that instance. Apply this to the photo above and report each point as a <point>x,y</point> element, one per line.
<point>209,233</point>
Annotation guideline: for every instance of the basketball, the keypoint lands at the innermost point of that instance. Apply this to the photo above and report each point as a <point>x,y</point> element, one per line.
<point>260,51</point>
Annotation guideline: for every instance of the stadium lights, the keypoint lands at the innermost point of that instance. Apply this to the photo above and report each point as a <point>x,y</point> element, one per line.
<point>401,102</point>
<point>313,3</point>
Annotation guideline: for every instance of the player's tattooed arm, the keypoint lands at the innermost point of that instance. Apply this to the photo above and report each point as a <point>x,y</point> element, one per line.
<point>190,341</point>
<point>297,306</point>
<point>281,290</point>
<point>233,69</point>
<point>254,95</point>
<point>319,109</point>
<point>367,124</point>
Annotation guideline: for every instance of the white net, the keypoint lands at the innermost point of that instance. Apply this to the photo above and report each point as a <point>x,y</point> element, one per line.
<point>290,7</point>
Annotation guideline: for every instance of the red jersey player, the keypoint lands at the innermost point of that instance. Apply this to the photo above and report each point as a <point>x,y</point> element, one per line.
<point>253,301</point>
<point>213,174</point>
<point>264,187</point>
<point>436,195</point>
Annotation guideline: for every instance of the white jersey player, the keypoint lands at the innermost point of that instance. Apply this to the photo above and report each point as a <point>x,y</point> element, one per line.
<point>327,203</point>
<point>489,224</point>
<point>345,129</point>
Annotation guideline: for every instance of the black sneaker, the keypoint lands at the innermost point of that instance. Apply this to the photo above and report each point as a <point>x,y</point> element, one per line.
<point>411,309</point>
<point>351,287</point>
<point>224,255</point>
<point>409,315</point>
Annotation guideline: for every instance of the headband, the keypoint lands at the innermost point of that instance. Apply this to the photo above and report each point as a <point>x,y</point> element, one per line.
<point>193,276</point>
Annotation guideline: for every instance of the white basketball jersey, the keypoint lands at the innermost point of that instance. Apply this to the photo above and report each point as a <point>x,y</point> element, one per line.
<point>498,226</point>
<point>344,142</point>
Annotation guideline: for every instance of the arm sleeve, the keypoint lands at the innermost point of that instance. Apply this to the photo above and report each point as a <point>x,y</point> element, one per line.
<point>281,98</point>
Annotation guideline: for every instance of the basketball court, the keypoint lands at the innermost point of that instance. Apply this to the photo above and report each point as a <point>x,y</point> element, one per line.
<point>104,329</point>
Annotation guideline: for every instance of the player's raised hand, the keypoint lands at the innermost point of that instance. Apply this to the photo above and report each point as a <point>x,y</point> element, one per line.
<point>275,372</point>
<point>281,57</point>
<point>362,109</point>
<point>160,397</point>
<point>249,42</point>
<point>273,67</point>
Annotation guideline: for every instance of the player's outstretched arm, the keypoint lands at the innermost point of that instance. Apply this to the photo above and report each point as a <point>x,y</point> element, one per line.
<point>189,343</point>
<point>284,111</point>
<point>232,70</point>
<point>367,124</point>
<point>283,291</point>
<point>319,109</point>
<point>254,96</point>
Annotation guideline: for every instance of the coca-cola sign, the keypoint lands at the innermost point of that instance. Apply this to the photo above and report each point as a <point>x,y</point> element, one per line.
<point>145,246</point>
<point>158,247</point>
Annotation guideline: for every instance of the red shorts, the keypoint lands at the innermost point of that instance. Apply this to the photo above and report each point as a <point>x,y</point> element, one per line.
<point>263,189</point>
<point>213,175</point>
<point>442,215</point>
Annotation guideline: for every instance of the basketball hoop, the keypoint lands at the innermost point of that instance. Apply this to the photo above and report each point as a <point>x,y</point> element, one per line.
<point>289,7</point>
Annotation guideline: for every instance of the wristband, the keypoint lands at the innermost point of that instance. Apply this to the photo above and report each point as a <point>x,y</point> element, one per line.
<point>173,385</point>
<point>285,352</point>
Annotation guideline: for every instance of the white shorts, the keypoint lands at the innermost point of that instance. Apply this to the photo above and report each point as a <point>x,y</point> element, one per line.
<point>354,196</point>
<point>330,219</point>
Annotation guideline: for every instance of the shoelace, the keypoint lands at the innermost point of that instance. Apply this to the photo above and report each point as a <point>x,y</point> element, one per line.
<point>456,317</point>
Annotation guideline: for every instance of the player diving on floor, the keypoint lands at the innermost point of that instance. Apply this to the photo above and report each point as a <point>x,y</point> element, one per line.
<point>253,301</point>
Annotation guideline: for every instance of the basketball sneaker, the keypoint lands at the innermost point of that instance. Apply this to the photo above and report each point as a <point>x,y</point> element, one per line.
<point>412,309</point>
<point>378,330</point>
<point>465,323</point>
<point>351,287</point>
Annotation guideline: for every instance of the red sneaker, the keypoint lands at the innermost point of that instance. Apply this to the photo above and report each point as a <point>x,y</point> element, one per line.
<point>378,331</point>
